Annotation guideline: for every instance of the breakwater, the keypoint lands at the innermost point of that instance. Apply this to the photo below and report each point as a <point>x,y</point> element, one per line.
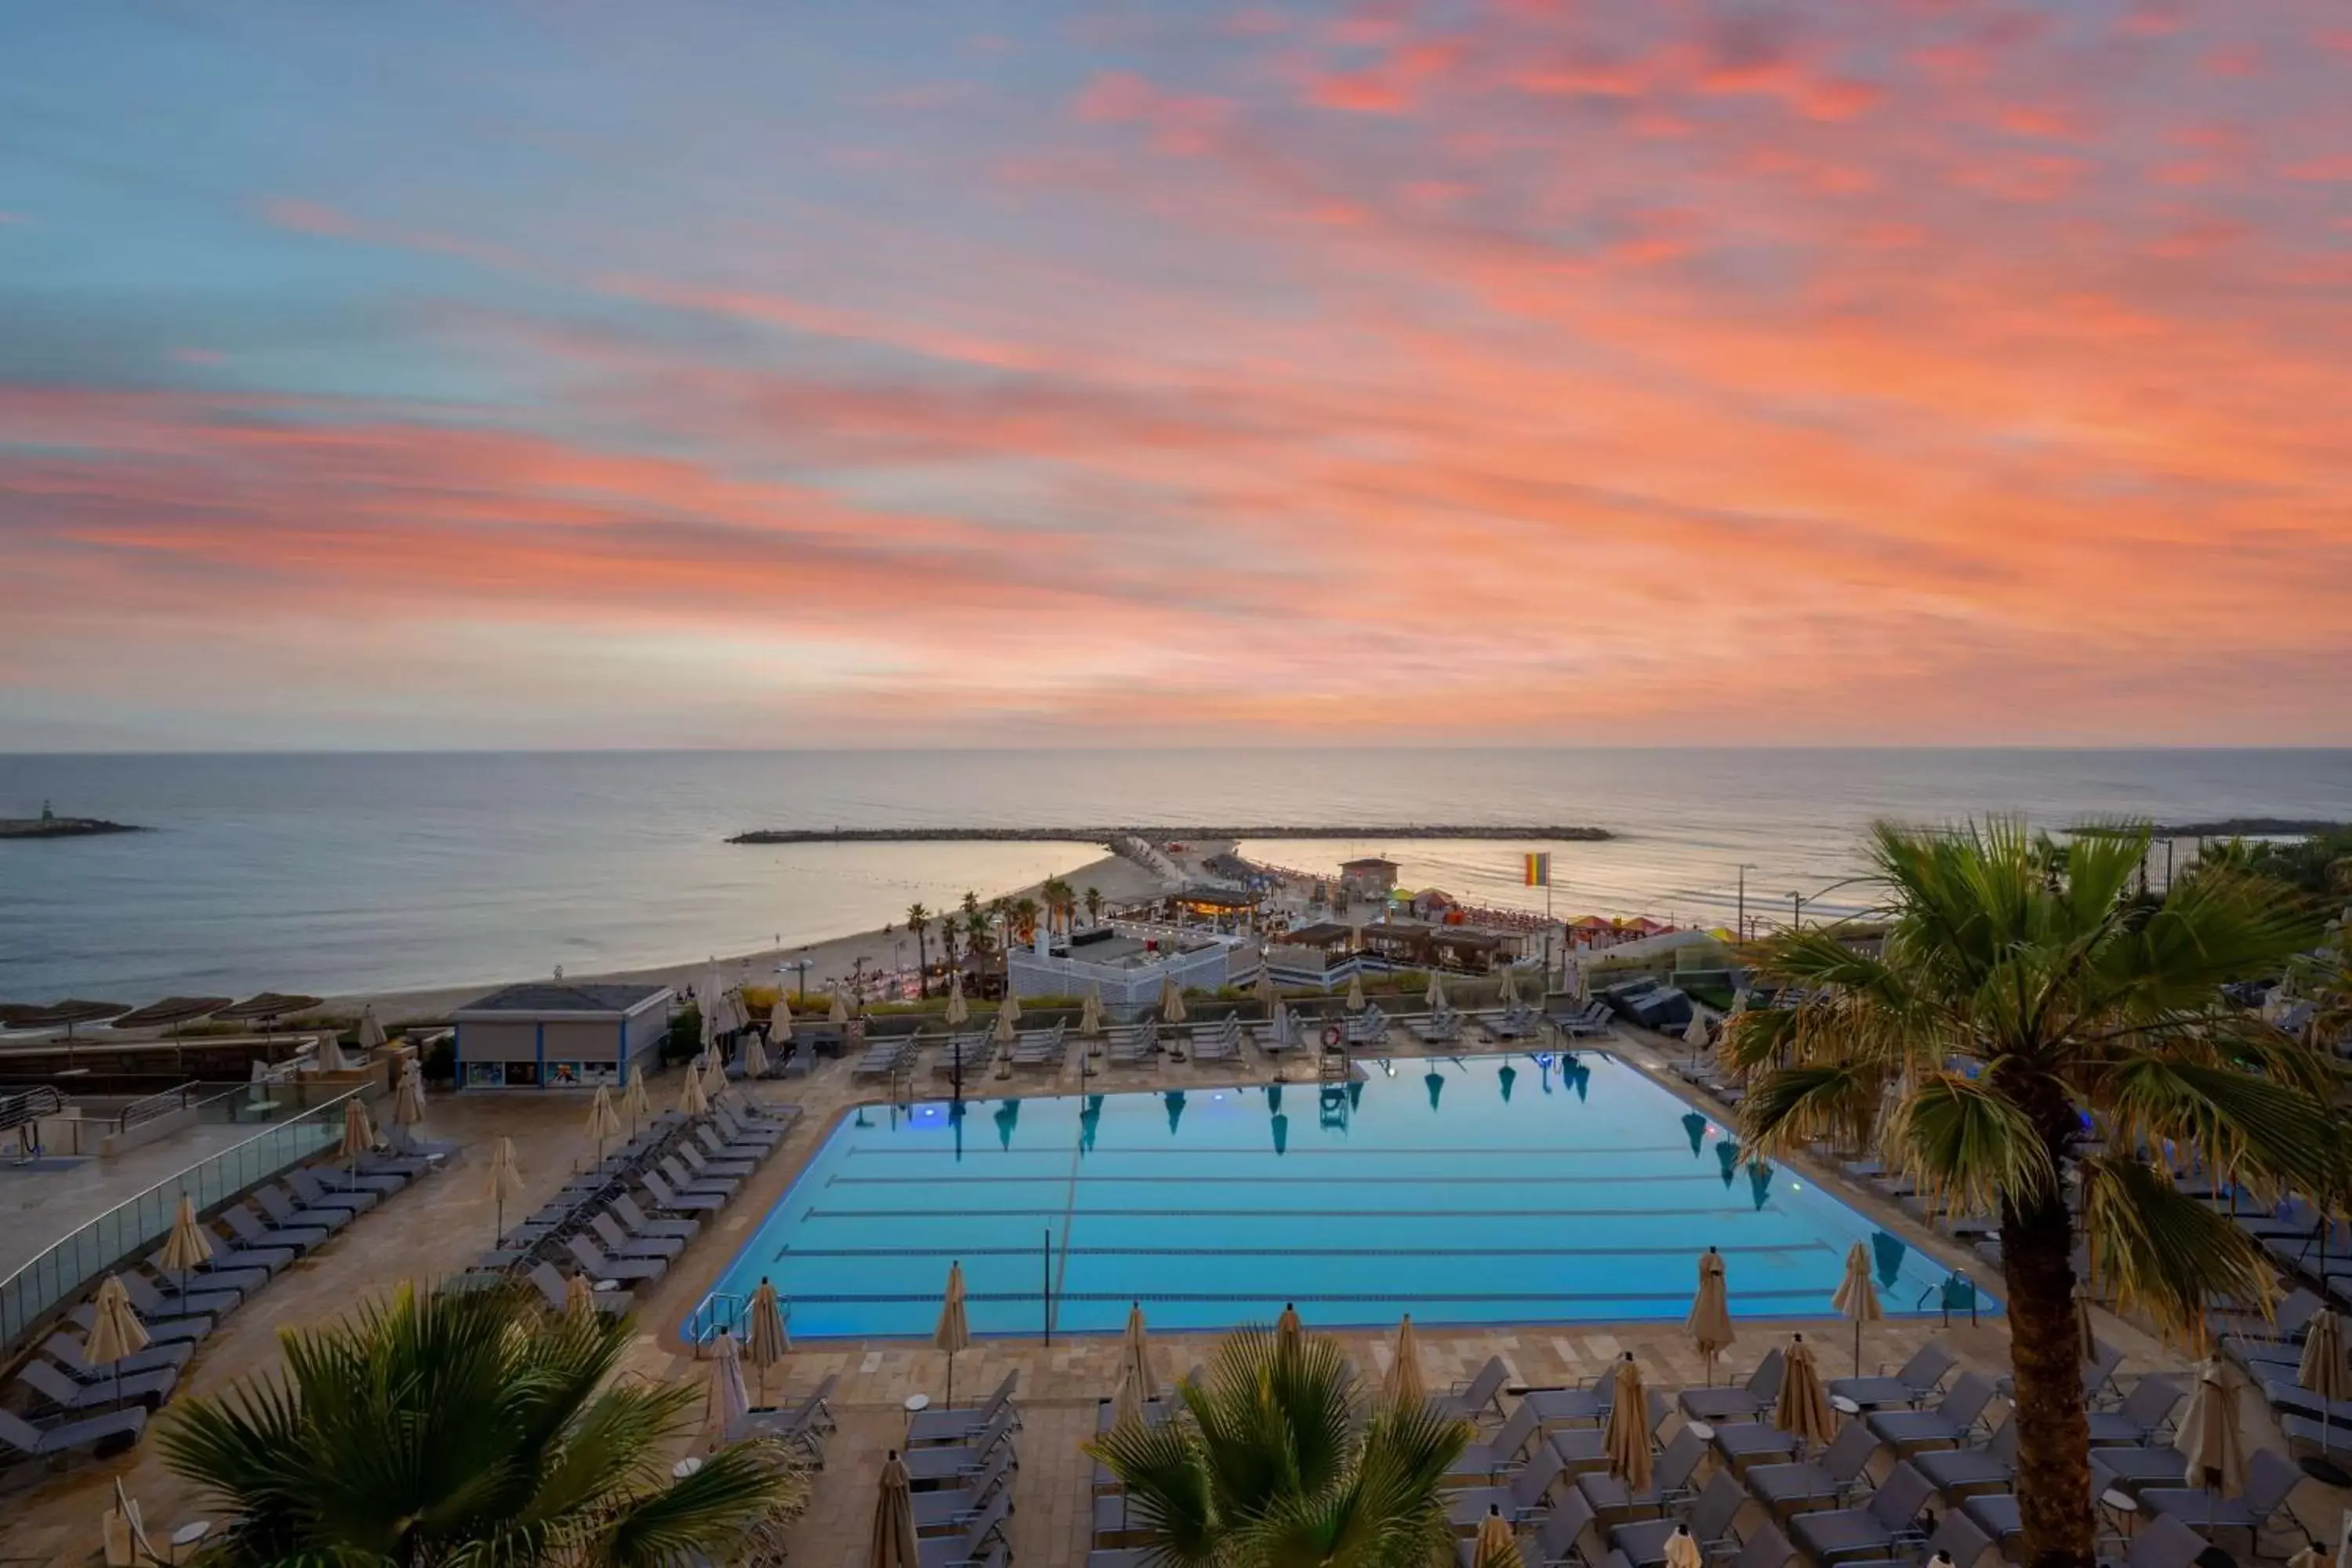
<point>1163,834</point>
<point>61,826</point>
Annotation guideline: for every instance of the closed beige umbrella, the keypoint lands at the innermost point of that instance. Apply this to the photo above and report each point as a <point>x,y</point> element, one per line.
<point>1171,1000</point>
<point>714,1080</point>
<point>2323,1370</point>
<point>1626,1440</point>
<point>1804,1408</point>
<point>579,1296</point>
<point>1289,1333</point>
<point>1682,1549</point>
<point>1355,1003</point>
<point>1857,1297</point>
<point>1127,1403</point>
<point>1011,1006</point>
<point>1497,1546</point>
<point>692,1101</point>
<point>115,1330</point>
<point>1135,1352</point>
<point>953,1332</point>
<point>839,1012</point>
<point>123,1533</point>
<point>893,1545</point>
<point>780,1018</point>
<point>1695,1033</point>
<point>1267,994</point>
<point>640,1103</point>
<point>1709,1323</point>
<point>959,1012</point>
<point>505,1181</point>
<point>1509,994</point>
<point>1005,1033</point>
<point>2210,1438</point>
<point>766,1341</point>
<point>1403,1384</point>
<point>408,1100</point>
<point>1090,1020</point>
<point>1575,981</point>
<point>755,1060</point>
<point>603,1122</point>
<point>358,1136</point>
<point>370,1031</point>
<point>189,1246</point>
<point>1435,996</point>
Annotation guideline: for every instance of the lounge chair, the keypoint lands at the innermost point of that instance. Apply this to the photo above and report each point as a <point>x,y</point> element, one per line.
<point>1671,1475</point>
<point>1643,1542</point>
<point>1825,1479</point>
<point>680,1200</point>
<point>211,1274</point>
<point>1438,1029</point>
<point>956,1508</point>
<point>435,1152</point>
<point>2164,1543</point>
<point>102,1435</point>
<point>312,1194</point>
<point>1558,1530</point>
<point>1519,1497</point>
<point>151,1300</point>
<point>1955,1535</point>
<point>289,1213</point>
<point>620,1244</point>
<point>249,1227</point>
<point>66,1351</point>
<point>1946,1426</point>
<point>966,1056</point>
<point>53,1385</point>
<point>1507,1450</point>
<point>343,1176</point>
<point>600,1267</point>
<point>1583,1449</point>
<point>1744,1443</point>
<point>964,1424</point>
<point>1272,1041</point>
<point>707,1168</point>
<point>160,1330</point>
<point>2145,1412</point>
<point>802,1424</point>
<point>717,1147</point>
<point>1570,1406</point>
<point>1134,1045</point>
<point>1959,1472</point>
<point>1912,1384</point>
<point>2129,1470</point>
<point>975,1544</point>
<point>746,1131</point>
<point>963,1460</point>
<point>882,1058</point>
<point>1742,1402</point>
<point>1219,1042</point>
<point>637,1222</point>
<point>687,1181</point>
<point>1882,1527</point>
<point>1470,1400</point>
<point>552,1287</point>
<point>2270,1477</point>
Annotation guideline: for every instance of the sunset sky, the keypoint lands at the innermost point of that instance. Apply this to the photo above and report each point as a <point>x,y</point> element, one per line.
<point>784,374</point>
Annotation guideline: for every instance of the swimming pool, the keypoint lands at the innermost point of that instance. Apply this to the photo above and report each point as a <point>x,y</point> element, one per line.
<point>1485,1189</point>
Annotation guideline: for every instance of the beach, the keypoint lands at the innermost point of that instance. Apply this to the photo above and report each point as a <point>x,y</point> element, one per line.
<point>1118,880</point>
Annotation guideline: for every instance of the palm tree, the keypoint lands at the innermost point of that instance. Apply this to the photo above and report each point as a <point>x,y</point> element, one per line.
<point>919,921</point>
<point>971,905</point>
<point>2017,1003</point>
<point>449,1427</point>
<point>1023,915</point>
<point>976,933</point>
<point>1266,1463</point>
<point>1056,895</point>
<point>1094,905</point>
<point>948,932</point>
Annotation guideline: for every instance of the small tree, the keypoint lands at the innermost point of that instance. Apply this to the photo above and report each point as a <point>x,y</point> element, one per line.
<point>919,921</point>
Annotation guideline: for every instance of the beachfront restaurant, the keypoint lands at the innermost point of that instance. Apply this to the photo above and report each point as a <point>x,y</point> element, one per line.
<point>1368,877</point>
<point>560,1035</point>
<point>1420,946</point>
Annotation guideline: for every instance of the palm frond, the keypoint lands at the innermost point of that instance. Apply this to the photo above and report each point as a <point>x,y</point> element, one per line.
<point>702,1514</point>
<point>1787,1109</point>
<point>1969,1144</point>
<point>2161,1250</point>
<point>2270,1135</point>
<point>1169,1489</point>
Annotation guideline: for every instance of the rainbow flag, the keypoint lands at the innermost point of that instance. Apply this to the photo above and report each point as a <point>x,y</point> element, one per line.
<point>1540,870</point>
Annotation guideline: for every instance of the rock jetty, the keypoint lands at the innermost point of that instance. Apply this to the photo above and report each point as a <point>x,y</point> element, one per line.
<point>47,826</point>
<point>1162,834</point>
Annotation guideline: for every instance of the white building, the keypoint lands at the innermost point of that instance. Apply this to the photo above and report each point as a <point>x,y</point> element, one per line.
<point>1130,964</point>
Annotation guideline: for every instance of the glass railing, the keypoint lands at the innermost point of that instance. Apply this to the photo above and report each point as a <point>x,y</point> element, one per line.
<point>131,1228</point>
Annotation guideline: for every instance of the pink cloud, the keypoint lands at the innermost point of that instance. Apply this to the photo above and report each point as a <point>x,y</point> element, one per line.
<point>308,217</point>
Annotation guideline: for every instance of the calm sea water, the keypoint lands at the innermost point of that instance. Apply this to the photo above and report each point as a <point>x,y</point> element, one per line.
<point>379,872</point>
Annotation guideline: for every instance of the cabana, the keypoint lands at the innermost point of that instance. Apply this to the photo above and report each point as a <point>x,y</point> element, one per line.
<point>560,1035</point>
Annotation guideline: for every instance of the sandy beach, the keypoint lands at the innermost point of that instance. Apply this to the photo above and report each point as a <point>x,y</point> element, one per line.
<point>1119,880</point>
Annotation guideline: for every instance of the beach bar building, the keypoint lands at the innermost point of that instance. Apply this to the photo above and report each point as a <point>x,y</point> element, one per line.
<point>1370,877</point>
<point>1127,966</point>
<point>560,1035</point>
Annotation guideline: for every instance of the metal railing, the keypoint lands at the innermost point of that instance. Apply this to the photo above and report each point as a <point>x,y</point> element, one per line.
<point>177,1098</point>
<point>33,1292</point>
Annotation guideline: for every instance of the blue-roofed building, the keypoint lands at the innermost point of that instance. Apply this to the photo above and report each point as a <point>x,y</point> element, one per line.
<point>557,1035</point>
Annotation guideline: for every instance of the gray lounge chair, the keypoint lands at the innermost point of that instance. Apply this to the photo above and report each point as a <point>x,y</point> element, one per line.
<point>2145,1413</point>
<point>959,1462</point>
<point>102,1435</point>
<point>954,1508</point>
<point>1947,1425</point>
<point>1518,1498</point>
<point>1472,1400</point>
<point>707,1169</point>
<point>1912,1384</point>
<point>53,1385</point>
<point>1643,1542</point>
<point>1507,1450</point>
<point>2270,1476</point>
<point>1745,1443</point>
<point>210,1275</point>
<point>1557,1531</point>
<point>160,1330</point>
<point>620,1244</point>
<point>600,1267</point>
<point>150,1301</point>
<point>551,1288</point>
<point>341,1178</point>
<point>974,1544</point>
<point>680,1200</point>
<point>287,1211</point>
<point>1882,1527</point>
<point>687,1181</point>
<point>1824,1480</point>
<point>965,1424</point>
<point>313,1194</point>
<point>1959,1472</point>
<point>66,1351</point>
<point>638,1223</point>
<point>1671,1475</point>
<point>1740,1402</point>
<point>1955,1534</point>
<point>1582,1450</point>
<point>249,1227</point>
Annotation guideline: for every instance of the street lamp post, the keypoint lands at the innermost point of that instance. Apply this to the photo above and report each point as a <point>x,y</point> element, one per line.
<point>1741,924</point>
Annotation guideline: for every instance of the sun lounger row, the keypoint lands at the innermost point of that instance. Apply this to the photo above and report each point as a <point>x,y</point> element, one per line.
<point>1043,1048</point>
<point>70,1403</point>
<point>1510,1023</point>
<point>884,1057</point>
<point>1438,1029</point>
<point>1592,1018</point>
<point>802,1424</point>
<point>1367,1029</point>
<point>966,1054</point>
<point>1218,1042</point>
<point>960,1462</point>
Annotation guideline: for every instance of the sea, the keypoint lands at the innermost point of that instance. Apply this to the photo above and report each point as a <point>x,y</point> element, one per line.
<point>377,872</point>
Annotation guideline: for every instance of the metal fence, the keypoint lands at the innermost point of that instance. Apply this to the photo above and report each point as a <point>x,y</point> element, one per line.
<point>28,1296</point>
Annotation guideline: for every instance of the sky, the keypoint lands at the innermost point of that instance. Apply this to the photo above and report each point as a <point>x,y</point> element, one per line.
<point>1550,371</point>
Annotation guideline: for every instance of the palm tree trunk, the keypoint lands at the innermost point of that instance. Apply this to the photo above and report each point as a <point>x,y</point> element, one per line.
<point>2053,1447</point>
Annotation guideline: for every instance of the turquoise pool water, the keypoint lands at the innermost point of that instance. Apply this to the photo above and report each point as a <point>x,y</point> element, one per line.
<point>1487,1189</point>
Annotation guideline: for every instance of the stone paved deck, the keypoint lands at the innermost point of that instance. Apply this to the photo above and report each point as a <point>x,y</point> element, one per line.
<point>439,1225</point>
